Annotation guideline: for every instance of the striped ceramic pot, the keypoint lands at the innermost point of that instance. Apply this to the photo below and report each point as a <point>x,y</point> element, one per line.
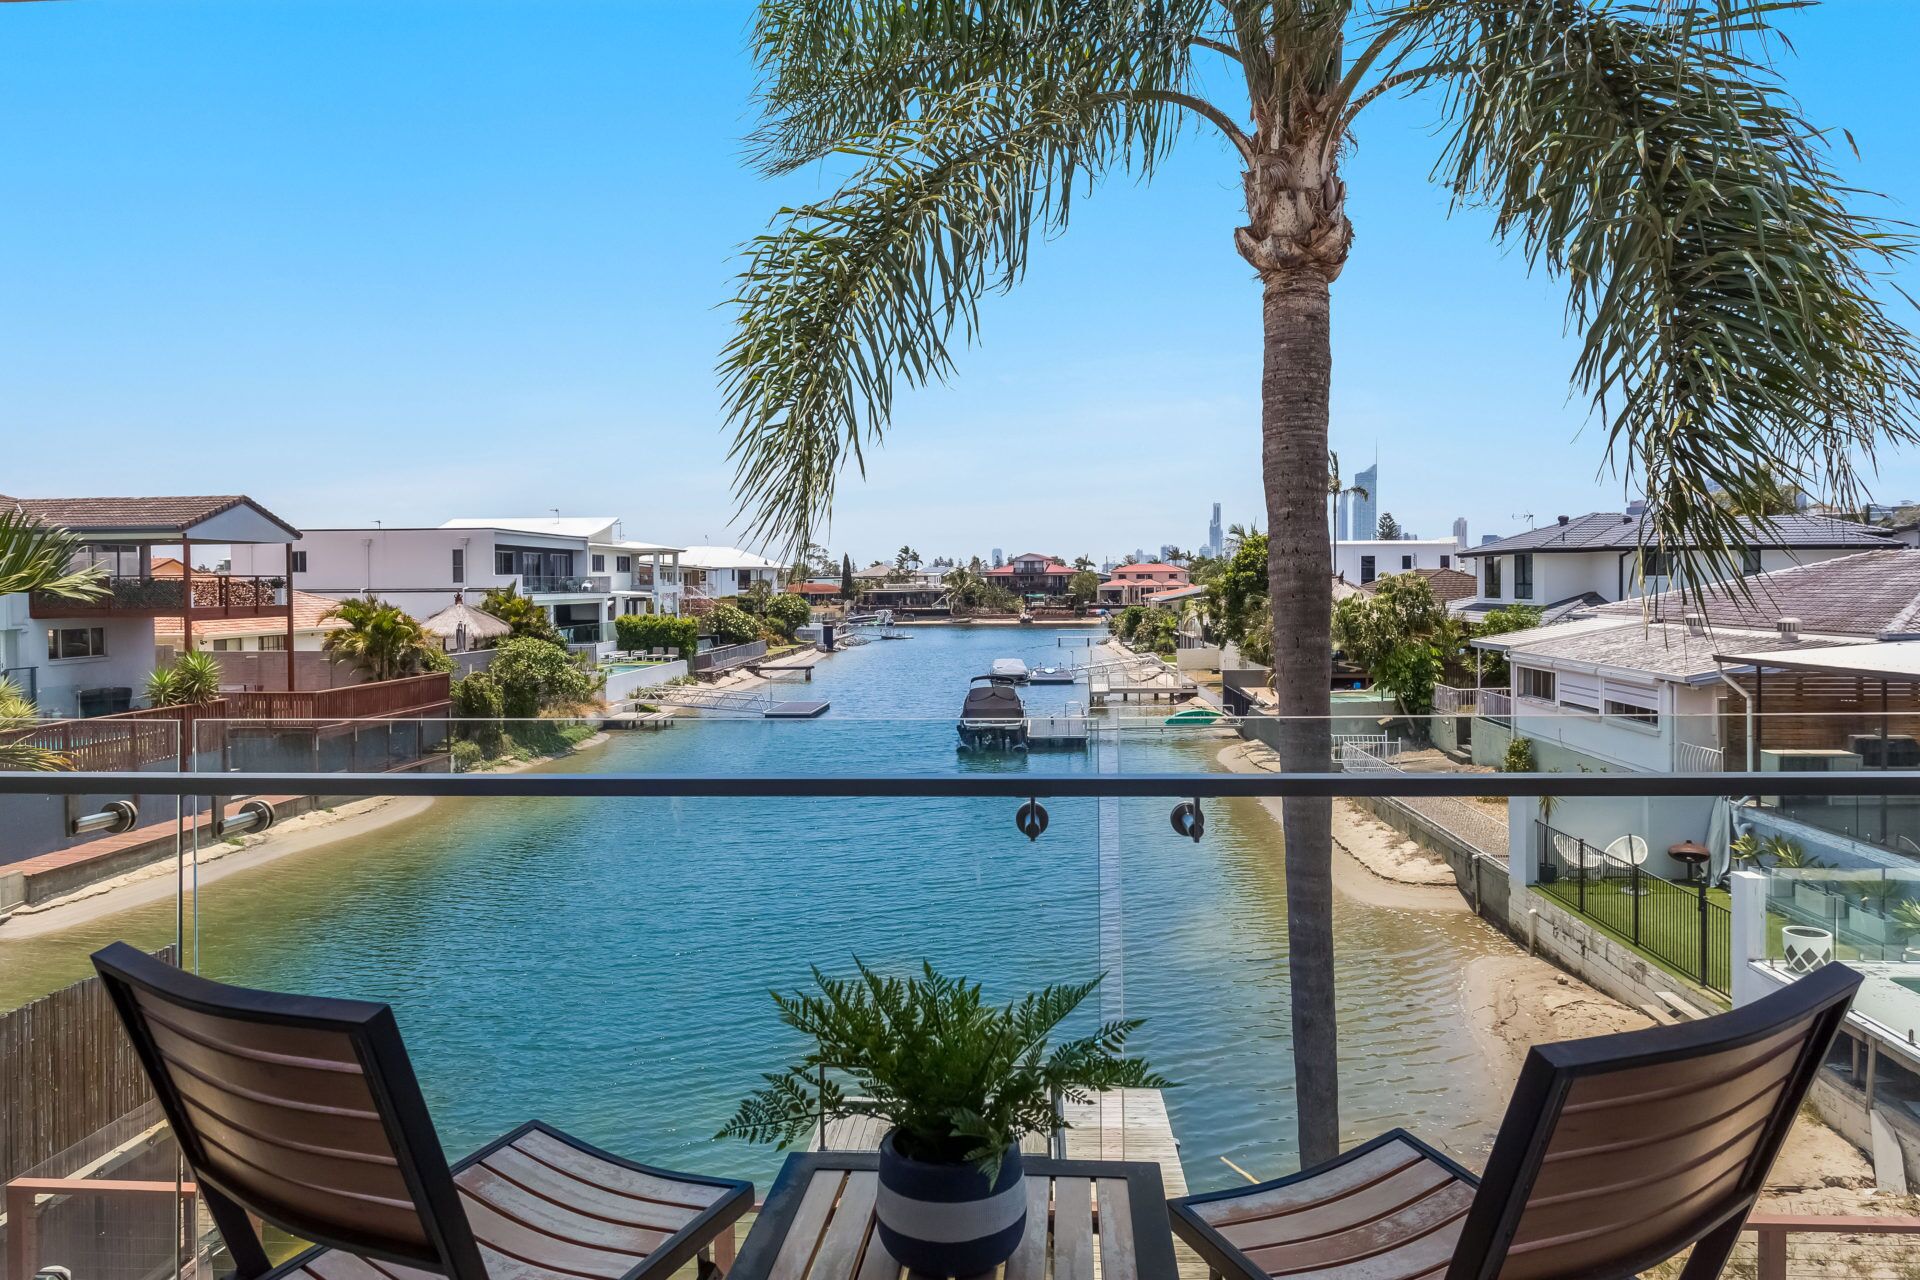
<point>946,1219</point>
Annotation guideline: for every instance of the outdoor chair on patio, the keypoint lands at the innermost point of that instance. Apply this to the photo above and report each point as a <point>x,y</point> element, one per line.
<point>305,1112</point>
<point>1616,1153</point>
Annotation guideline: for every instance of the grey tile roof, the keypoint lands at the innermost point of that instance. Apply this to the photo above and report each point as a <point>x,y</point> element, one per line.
<point>1660,649</point>
<point>1617,531</point>
<point>1874,593</point>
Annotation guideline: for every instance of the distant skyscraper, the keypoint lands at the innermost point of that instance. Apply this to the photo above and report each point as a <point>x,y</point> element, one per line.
<point>1460,531</point>
<point>1340,515</point>
<point>1216,540</point>
<point>1167,550</point>
<point>1366,507</point>
<point>998,558</point>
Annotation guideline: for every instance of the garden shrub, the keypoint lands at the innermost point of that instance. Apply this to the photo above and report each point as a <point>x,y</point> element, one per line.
<point>728,625</point>
<point>1519,757</point>
<point>536,676</point>
<point>658,631</point>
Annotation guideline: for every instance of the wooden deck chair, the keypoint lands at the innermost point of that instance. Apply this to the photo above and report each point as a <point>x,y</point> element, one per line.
<point>1616,1153</point>
<point>305,1112</point>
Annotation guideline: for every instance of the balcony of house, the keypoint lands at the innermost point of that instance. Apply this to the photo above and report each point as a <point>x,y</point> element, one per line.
<point>594,945</point>
<point>162,594</point>
<point>565,584</point>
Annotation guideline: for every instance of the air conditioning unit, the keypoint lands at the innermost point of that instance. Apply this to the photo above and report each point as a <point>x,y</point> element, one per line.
<point>1806,760</point>
<point>1891,752</point>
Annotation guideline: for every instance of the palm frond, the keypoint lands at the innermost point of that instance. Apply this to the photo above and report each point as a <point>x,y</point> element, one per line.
<point>1646,154</point>
<point>39,558</point>
<point>871,286</point>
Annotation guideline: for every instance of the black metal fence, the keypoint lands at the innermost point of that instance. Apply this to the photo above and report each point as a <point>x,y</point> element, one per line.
<point>1687,928</point>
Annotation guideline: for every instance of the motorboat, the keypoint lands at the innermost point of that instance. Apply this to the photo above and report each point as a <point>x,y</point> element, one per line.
<point>1009,671</point>
<point>992,717</point>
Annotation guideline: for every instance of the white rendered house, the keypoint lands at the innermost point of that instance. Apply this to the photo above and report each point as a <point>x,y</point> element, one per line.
<point>1361,562</point>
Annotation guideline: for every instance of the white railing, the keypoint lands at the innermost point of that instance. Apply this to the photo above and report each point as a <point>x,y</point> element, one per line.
<point>1496,704</point>
<point>1366,752</point>
<point>1691,757</point>
<point>1451,701</point>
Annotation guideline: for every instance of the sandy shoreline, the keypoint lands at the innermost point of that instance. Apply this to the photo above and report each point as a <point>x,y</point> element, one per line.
<point>218,859</point>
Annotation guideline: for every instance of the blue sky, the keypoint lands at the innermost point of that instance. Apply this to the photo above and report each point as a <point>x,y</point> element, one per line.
<point>406,261</point>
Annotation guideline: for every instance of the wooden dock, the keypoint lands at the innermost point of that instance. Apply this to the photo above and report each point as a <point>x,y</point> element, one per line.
<point>639,720</point>
<point>795,710</point>
<point>1070,729</point>
<point>1140,683</point>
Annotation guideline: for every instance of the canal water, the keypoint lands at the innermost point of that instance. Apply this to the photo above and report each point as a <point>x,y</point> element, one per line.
<point>605,964</point>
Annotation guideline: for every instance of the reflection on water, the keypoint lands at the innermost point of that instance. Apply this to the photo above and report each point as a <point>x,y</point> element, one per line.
<point>604,965</point>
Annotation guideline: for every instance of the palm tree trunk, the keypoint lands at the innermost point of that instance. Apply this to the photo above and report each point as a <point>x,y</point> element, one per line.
<point>1293,425</point>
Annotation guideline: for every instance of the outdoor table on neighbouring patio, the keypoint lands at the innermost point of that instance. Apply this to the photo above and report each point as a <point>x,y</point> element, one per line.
<point>818,1223</point>
<point>1694,854</point>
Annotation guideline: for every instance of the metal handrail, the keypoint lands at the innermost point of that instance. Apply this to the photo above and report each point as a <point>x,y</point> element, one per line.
<point>1020,786</point>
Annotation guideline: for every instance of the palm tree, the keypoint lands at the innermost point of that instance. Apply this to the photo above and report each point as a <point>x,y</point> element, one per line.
<point>193,680</point>
<point>1644,153</point>
<point>521,614</point>
<point>37,558</point>
<point>383,640</point>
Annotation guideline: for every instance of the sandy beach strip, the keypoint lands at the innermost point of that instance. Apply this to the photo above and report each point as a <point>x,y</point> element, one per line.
<point>218,859</point>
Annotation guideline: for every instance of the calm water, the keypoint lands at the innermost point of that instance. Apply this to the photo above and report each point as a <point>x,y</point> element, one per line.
<point>604,965</point>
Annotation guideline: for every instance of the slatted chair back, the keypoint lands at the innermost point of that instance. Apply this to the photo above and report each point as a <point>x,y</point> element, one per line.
<point>301,1110</point>
<point>1620,1151</point>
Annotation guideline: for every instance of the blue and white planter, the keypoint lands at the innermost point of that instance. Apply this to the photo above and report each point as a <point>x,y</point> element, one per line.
<point>946,1219</point>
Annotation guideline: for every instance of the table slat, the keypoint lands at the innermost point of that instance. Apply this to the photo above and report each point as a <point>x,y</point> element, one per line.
<point>1029,1260</point>
<point>796,1251</point>
<point>1073,1229</point>
<point>840,1247</point>
<point>1116,1228</point>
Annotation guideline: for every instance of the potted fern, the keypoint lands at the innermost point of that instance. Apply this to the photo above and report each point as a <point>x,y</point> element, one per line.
<point>961,1081</point>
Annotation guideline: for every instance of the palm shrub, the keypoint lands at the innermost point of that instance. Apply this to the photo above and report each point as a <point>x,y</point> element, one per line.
<point>193,680</point>
<point>17,718</point>
<point>523,615</point>
<point>962,1081</point>
<point>383,640</point>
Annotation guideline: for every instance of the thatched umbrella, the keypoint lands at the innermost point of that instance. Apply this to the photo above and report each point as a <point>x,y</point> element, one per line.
<point>460,626</point>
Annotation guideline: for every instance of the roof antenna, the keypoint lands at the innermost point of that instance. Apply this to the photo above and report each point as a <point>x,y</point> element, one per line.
<point>1523,515</point>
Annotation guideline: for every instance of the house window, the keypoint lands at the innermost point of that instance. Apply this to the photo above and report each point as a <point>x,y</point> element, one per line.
<point>1493,577</point>
<point>743,576</point>
<point>1655,564</point>
<point>273,644</point>
<point>623,564</point>
<point>1446,562</point>
<point>1406,562</point>
<point>1749,561</point>
<point>76,642</point>
<point>503,564</point>
<point>1366,570</point>
<point>1523,577</point>
<point>459,565</point>
<point>1633,711</point>
<point>299,562</point>
<point>1535,684</point>
<point>600,564</point>
<point>234,645</point>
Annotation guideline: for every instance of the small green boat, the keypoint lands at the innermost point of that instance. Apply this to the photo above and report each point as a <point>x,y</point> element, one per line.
<point>1194,715</point>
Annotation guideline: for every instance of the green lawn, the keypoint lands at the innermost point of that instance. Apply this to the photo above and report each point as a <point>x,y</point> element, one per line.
<point>1667,930</point>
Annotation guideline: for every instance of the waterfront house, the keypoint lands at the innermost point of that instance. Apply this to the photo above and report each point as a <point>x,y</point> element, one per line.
<point>1360,561</point>
<point>548,559</point>
<point>1816,667</point>
<point>1033,574</point>
<point>717,573</point>
<point>84,659</point>
<point>1135,583</point>
<point>1599,557</point>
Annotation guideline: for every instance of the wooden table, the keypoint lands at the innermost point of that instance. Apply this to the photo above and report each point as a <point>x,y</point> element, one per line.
<point>818,1223</point>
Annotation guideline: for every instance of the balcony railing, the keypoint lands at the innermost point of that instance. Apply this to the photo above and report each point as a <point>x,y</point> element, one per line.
<point>1691,757</point>
<point>216,595</point>
<point>1451,701</point>
<point>1496,705</point>
<point>535,584</point>
<point>597,945</point>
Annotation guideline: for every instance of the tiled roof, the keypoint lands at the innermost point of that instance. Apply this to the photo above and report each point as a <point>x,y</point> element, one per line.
<point>1874,593</point>
<point>1662,649</point>
<point>813,589</point>
<point>1617,531</point>
<point>309,614</point>
<point>1448,584</point>
<point>1121,571</point>
<point>136,515</point>
<point>1008,571</point>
